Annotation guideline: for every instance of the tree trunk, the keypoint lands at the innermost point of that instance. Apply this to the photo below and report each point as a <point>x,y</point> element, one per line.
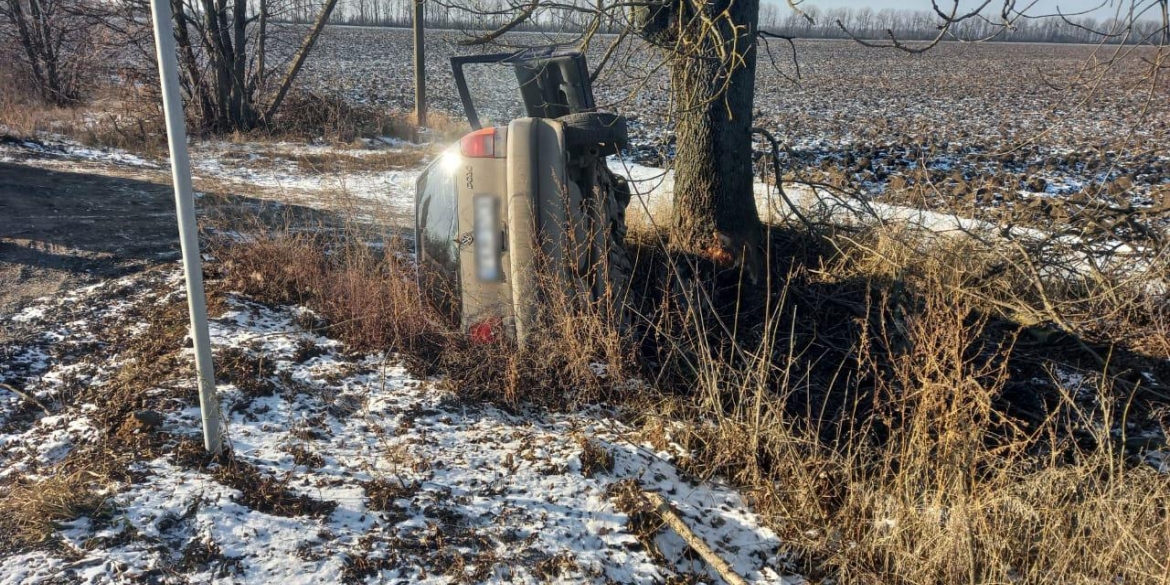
<point>41,34</point>
<point>713,88</point>
<point>299,60</point>
<point>242,110</point>
<point>197,88</point>
<point>714,199</point>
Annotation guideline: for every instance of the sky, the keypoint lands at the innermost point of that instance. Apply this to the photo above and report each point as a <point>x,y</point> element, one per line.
<point>1041,6</point>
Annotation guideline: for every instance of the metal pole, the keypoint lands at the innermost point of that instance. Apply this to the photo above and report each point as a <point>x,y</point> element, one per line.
<point>420,73</point>
<point>168,73</point>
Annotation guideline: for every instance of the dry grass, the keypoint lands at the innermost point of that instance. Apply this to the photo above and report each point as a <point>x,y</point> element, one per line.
<point>369,299</point>
<point>129,117</point>
<point>341,163</point>
<point>80,485</point>
<point>333,161</point>
<point>594,457</point>
<point>383,493</point>
<point>365,297</point>
<point>880,398</point>
<point>926,467</point>
<point>940,486</point>
<point>250,374</point>
<point>558,369</point>
<point>30,511</point>
<point>313,115</point>
<point>119,116</point>
<point>259,491</point>
<point>137,127</point>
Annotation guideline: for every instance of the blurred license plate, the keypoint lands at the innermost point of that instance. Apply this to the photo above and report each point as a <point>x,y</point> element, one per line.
<point>488,236</point>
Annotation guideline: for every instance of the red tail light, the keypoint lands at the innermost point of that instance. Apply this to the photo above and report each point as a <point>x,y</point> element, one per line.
<point>479,144</point>
<point>485,331</point>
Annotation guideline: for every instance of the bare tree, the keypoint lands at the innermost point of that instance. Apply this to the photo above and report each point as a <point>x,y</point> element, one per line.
<point>233,75</point>
<point>53,41</point>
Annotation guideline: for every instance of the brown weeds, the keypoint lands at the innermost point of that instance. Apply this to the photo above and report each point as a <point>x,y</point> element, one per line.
<point>313,115</point>
<point>881,398</point>
<point>30,511</point>
<point>366,298</point>
<point>594,457</point>
<point>259,491</point>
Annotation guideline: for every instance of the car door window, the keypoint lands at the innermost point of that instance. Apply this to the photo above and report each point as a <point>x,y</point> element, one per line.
<point>438,232</point>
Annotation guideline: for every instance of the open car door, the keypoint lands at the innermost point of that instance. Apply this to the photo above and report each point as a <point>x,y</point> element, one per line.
<point>534,196</point>
<point>552,82</point>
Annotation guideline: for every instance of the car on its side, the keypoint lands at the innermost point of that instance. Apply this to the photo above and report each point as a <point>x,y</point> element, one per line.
<point>509,210</point>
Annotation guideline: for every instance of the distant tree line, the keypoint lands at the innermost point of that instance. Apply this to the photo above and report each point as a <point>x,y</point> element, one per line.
<point>810,23</point>
<point>443,14</point>
<point>909,25</point>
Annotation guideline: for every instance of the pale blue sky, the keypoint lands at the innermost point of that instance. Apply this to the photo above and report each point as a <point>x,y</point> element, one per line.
<point>1041,6</point>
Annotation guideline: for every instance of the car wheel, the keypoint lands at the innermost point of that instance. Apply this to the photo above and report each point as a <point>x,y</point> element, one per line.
<point>594,129</point>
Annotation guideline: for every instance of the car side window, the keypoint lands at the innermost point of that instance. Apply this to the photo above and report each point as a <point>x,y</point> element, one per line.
<point>438,217</point>
<point>438,230</point>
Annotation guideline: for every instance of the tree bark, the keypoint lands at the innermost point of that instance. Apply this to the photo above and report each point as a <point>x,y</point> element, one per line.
<point>697,544</point>
<point>41,34</point>
<point>197,86</point>
<point>16,14</point>
<point>713,88</point>
<point>242,109</point>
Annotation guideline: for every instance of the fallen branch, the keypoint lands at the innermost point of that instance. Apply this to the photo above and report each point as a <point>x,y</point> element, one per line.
<point>27,397</point>
<point>672,519</point>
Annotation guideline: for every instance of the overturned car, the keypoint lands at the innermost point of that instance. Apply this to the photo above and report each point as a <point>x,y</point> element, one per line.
<point>507,210</point>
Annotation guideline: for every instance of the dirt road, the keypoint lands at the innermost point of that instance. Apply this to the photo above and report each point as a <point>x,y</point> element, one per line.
<point>67,221</point>
<point>62,229</point>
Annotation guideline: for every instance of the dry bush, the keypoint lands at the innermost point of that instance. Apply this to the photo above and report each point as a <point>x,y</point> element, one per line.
<point>367,297</point>
<point>938,486</point>
<point>128,117</point>
<point>594,457</point>
<point>124,115</point>
<point>314,115</point>
<point>259,491</point>
<point>341,163</point>
<point>115,118</point>
<point>441,127</point>
<point>926,473</point>
<point>574,355</point>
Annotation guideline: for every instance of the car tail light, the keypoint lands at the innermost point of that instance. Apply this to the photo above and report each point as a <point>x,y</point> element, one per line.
<point>485,331</point>
<point>479,144</point>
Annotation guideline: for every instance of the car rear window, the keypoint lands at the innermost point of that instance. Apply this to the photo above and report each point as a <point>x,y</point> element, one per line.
<point>437,232</point>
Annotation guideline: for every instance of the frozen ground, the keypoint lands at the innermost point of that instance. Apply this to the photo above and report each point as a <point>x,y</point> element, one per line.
<point>375,181</point>
<point>397,480</point>
<point>404,482</point>
<point>965,123</point>
<point>378,188</point>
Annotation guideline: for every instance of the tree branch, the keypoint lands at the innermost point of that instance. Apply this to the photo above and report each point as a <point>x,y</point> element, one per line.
<point>299,60</point>
<point>516,21</point>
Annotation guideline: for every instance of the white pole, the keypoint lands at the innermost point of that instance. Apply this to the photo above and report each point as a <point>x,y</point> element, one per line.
<point>168,73</point>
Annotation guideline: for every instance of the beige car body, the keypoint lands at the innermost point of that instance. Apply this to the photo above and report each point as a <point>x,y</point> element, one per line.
<point>522,217</point>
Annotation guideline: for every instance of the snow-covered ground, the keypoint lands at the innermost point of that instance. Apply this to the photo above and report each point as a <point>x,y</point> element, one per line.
<point>277,167</point>
<point>407,483</point>
<point>280,171</point>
